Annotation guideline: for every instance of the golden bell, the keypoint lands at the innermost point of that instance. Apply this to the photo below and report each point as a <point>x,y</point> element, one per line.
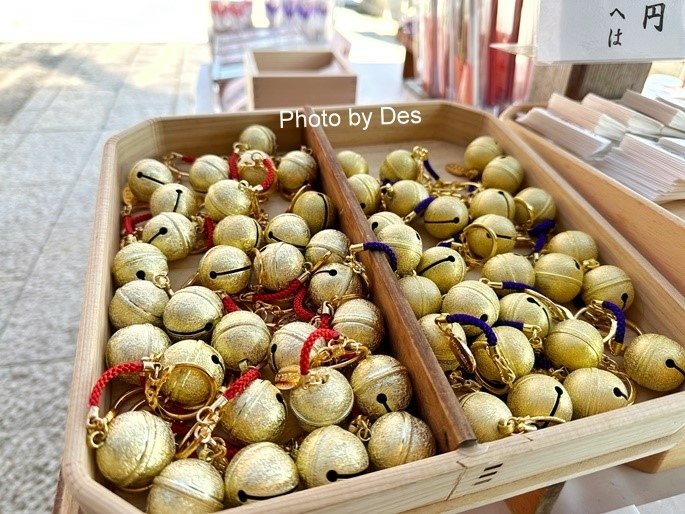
<point>407,245</point>
<point>485,412</point>
<point>138,260</point>
<point>440,342</point>
<point>225,268</point>
<point>287,342</point>
<point>422,294</point>
<point>251,167</point>
<point>277,265</point>
<point>479,235</point>
<point>360,320</point>
<point>227,197</point>
<point>381,384</point>
<point>331,243</point>
<point>445,216</point>
<point>367,190</point>
<point>398,438</point>
<point>513,346</point>
<point>610,283</point>
<point>316,209</point>
<point>594,391</point>
<point>174,198</point>
<point>139,445</point>
<point>186,485</point>
<point>190,386</point>
<point>509,267</point>
<point>492,201</point>
<point>579,245</point>
<point>406,196</point>
<point>147,175</point>
<point>503,172</point>
<point>330,454</point>
<point>192,313</point>
<point>539,395</point>
<point>296,169</point>
<point>534,205</point>
<point>444,266</point>
<point>258,472</point>
<point>382,219</point>
<point>399,165</point>
<point>474,298</point>
<point>207,170</point>
<point>240,231</point>
<point>255,415</point>
<point>479,152</point>
<point>241,336</point>
<point>334,281</point>
<point>574,344</point>
<point>287,228</point>
<point>558,276</point>
<point>259,137</point>
<point>656,362</point>
<point>172,233</point>
<point>352,163</point>
<point>131,344</point>
<point>327,401</point>
<point>526,309</point>
<point>137,302</point>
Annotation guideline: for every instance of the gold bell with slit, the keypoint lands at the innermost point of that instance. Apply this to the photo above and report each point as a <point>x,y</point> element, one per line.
<point>258,137</point>
<point>174,198</point>
<point>490,235</point>
<point>558,276</point>
<point>539,395</point>
<point>194,384</point>
<point>574,344</point>
<point>526,309</point>
<point>479,152</point>
<point>258,472</point>
<point>445,216</point>
<point>147,175</point>
<point>423,295</point>
<point>579,245</point>
<point>360,320</point>
<point>241,337</point>
<point>398,438</point>
<point>137,302</point>
<point>405,196</point>
<point>227,197</point>
<point>655,361</point>
<point>382,219</point>
<point>534,205</point>
<point>329,243</point>
<point>132,344</point>
<point>594,391</point>
<point>503,172</point>
<point>255,415</point>
<point>316,209</point>
<point>609,283</point>
<point>240,231</point>
<point>381,384</point>
<point>288,228</point>
<point>407,245</point>
<point>352,163</point>
<point>225,268</point>
<point>485,412</point>
<point>207,170</point>
<point>192,313</point>
<point>172,233</point>
<point>327,399</point>
<point>444,266</point>
<point>513,348</point>
<point>186,485</point>
<point>138,446</point>
<point>296,169</point>
<point>399,165</point>
<point>367,190</point>
<point>251,167</point>
<point>440,342</point>
<point>138,261</point>
<point>334,281</point>
<point>509,267</point>
<point>329,454</point>
<point>287,342</point>
<point>277,265</point>
<point>474,298</point>
<point>492,201</point>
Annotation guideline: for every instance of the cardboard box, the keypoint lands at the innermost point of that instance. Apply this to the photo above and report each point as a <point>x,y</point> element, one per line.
<point>294,78</point>
<point>465,474</point>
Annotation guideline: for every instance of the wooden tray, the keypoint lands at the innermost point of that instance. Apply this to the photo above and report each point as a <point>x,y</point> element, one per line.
<point>657,232</point>
<point>457,479</point>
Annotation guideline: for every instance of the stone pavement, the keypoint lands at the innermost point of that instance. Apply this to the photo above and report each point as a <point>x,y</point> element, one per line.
<point>59,103</point>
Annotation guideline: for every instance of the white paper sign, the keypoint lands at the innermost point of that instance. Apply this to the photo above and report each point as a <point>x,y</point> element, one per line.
<point>610,30</point>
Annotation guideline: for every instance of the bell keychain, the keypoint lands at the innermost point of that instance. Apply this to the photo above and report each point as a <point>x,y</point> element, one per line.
<point>296,169</point>
<point>315,208</point>
<point>203,171</point>
<point>556,311</point>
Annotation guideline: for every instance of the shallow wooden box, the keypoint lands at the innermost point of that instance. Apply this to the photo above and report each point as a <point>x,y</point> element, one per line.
<point>657,232</point>
<point>464,474</point>
<point>293,78</point>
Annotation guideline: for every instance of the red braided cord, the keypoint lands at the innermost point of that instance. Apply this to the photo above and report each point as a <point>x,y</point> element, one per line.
<point>325,321</point>
<point>279,295</point>
<point>209,228</point>
<point>141,217</point>
<point>229,304</point>
<point>326,333</point>
<point>233,166</point>
<point>241,384</point>
<point>126,367</point>
<point>231,451</point>
<point>179,428</point>
<point>188,158</point>
<point>301,311</point>
<point>270,175</point>
<point>128,225</point>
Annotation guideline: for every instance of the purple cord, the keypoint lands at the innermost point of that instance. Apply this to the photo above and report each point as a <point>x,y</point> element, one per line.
<point>389,252</point>
<point>509,323</point>
<point>430,170</point>
<point>620,320</point>
<point>467,319</point>
<point>423,204</point>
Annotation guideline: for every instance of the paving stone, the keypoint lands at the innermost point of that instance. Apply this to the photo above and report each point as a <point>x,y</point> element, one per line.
<point>76,111</point>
